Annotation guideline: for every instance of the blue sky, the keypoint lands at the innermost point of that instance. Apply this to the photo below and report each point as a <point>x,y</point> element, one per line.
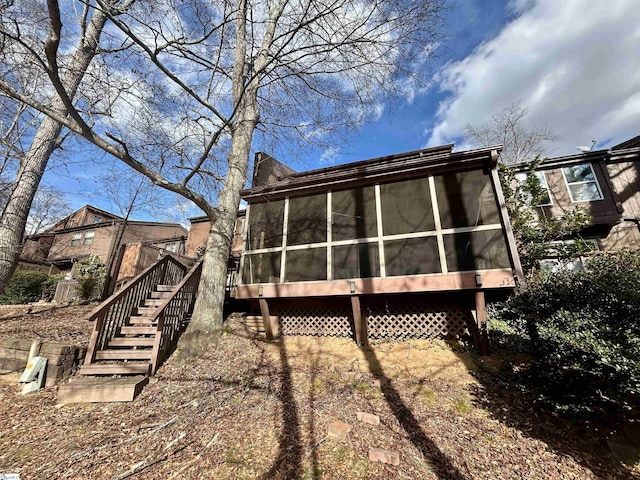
<point>573,64</point>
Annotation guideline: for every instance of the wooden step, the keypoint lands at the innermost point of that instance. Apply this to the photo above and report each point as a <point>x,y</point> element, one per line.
<point>131,342</point>
<point>162,295</point>
<point>124,354</point>
<point>89,390</point>
<point>153,302</point>
<point>142,320</point>
<point>138,330</point>
<point>115,369</point>
<point>165,288</point>
<point>148,311</point>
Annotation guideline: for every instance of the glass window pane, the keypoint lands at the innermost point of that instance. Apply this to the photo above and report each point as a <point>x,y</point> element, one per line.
<point>476,251</point>
<point>395,199</point>
<point>306,265</point>
<point>261,268</point>
<point>356,261</point>
<point>411,256</point>
<point>466,199</point>
<point>583,192</point>
<point>353,214</point>
<point>265,225</point>
<point>579,173</point>
<point>307,220</point>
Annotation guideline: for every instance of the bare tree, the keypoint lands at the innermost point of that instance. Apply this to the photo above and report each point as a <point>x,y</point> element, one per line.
<point>48,207</point>
<point>30,53</point>
<point>520,144</point>
<point>203,76</point>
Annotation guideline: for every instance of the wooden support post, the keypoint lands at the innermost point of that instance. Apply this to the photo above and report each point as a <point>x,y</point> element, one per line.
<point>266,318</point>
<point>481,319</point>
<point>359,321</point>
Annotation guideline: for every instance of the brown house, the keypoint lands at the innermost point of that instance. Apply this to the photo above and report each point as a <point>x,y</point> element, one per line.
<point>398,246</point>
<point>606,184</point>
<point>91,232</point>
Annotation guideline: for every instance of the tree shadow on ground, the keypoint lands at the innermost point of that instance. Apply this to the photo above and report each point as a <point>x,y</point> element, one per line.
<point>288,463</point>
<point>439,462</point>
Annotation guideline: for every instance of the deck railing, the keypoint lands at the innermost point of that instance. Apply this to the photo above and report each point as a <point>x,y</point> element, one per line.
<point>111,314</point>
<point>172,315</point>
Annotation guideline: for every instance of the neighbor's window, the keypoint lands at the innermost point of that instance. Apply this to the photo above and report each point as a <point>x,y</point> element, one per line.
<point>88,237</point>
<point>545,198</point>
<point>97,219</point>
<point>76,239</point>
<point>582,183</point>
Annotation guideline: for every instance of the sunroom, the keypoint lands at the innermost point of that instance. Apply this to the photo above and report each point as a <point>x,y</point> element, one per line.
<point>396,247</point>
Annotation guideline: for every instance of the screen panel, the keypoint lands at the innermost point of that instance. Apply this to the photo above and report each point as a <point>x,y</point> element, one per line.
<point>353,214</point>
<point>406,207</point>
<point>476,251</point>
<point>466,199</point>
<point>306,265</point>
<point>411,256</point>
<point>265,225</point>
<point>261,268</point>
<point>307,220</point>
<point>356,261</point>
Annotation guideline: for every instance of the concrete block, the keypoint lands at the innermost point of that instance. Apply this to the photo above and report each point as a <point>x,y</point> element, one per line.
<point>368,418</point>
<point>339,430</point>
<point>384,456</point>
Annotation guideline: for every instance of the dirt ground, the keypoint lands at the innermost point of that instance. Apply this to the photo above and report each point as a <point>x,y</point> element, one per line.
<point>252,409</point>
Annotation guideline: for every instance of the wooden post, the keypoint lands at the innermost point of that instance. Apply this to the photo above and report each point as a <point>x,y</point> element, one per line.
<point>481,319</point>
<point>506,224</point>
<point>359,321</point>
<point>266,318</point>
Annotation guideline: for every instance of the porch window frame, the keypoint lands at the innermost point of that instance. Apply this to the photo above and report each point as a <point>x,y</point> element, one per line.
<point>379,239</point>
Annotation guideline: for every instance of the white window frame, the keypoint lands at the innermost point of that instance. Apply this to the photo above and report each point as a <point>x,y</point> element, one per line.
<point>76,239</point>
<point>88,237</point>
<point>542,177</point>
<point>595,180</point>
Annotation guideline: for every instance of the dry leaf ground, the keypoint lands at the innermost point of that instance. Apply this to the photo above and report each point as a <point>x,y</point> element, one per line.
<point>251,409</point>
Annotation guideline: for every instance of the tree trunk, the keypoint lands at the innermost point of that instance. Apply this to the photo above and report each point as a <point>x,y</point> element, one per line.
<point>14,216</point>
<point>207,316</point>
<point>16,211</point>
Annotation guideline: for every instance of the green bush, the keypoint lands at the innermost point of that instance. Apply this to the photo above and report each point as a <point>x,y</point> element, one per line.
<point>90,274</point>
<point>583,329</point>
<point>28,286</point>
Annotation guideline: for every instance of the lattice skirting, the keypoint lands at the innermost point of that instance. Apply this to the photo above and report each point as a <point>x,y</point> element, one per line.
<point>392,317</point>
<point>327,321</point>
<point>417,321</point>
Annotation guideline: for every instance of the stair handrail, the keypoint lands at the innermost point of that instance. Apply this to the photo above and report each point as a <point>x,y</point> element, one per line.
<point>184,295</point>
<point>118,306</point>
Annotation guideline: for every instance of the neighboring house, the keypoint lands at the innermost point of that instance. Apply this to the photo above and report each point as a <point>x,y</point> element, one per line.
<point>606,184</point>
<point>91,232</point>
<point>139,255</point>
<point>407,244</point>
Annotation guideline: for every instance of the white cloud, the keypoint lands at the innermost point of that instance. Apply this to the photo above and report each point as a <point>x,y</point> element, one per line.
<point>572,64</point>
<point>330,156</point>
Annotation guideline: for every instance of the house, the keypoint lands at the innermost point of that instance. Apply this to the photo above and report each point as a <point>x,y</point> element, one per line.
<point>400,246</point>
<point>92,232</point>
<point>605,183</point>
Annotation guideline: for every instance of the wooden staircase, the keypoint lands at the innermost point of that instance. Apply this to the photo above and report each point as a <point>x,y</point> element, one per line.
<point>135,330</point>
